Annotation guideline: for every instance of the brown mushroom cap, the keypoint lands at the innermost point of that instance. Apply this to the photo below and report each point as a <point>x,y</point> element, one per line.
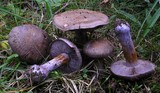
<point>79,19</point>
<point>98,48</point>
<point>29,42</point>
<point>62,45</point>
<point>132,71</point>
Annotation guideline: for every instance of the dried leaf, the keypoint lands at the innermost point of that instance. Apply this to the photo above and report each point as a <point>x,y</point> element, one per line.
<point>4,45</point>
<point>104,2</point>
<point>2,23</point>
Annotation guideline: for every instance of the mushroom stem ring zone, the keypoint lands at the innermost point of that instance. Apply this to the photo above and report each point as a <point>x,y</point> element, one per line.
<point>66,58</point>
<point>132,68</point>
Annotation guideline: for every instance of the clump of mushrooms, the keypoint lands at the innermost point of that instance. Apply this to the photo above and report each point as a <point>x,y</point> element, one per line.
<point>66,58</point>
<point>80,21</point>
<point>132,68</point>
<point>29,42</point>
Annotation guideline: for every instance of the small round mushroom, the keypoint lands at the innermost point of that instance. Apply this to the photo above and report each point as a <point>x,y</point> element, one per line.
<point>98,48</point>
<point>29,42</point>
<point>66,58</point>
<point>132,68</point>
<point>80,21</point>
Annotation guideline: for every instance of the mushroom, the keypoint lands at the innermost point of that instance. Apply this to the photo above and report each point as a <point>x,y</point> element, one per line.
<point>132,68</point>
<point>29,42</point>
<point>98,48</point>
<point>80,21</point>
<point>66,58</point>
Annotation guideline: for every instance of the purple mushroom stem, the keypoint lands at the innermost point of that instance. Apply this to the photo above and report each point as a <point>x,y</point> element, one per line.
<point>38,73</point>
<point>56,62</point>
<point>123,34</point>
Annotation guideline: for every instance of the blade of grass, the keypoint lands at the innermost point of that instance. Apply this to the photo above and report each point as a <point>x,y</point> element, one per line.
<point>14,10</point>
<point>14,69</point>
<point>9,59</point>
<point>152,22</point>
<point>127,15</point>
<point>11,13</point>
<point>148,16</point>
<point>155,36</point>
<point>48,8</point>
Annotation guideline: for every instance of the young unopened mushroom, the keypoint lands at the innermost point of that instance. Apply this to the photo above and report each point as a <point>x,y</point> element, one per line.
<point>29,42</point>
<point>66,58</point>
<point>80,21</point>
<point>131,68</point>
<point>98,48</point>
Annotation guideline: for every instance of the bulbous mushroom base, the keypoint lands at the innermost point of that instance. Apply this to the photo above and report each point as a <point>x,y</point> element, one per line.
<point>132,71</point>
<point>36,74</point>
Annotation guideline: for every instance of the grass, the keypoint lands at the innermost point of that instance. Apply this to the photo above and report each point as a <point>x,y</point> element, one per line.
<point>142,15</point>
